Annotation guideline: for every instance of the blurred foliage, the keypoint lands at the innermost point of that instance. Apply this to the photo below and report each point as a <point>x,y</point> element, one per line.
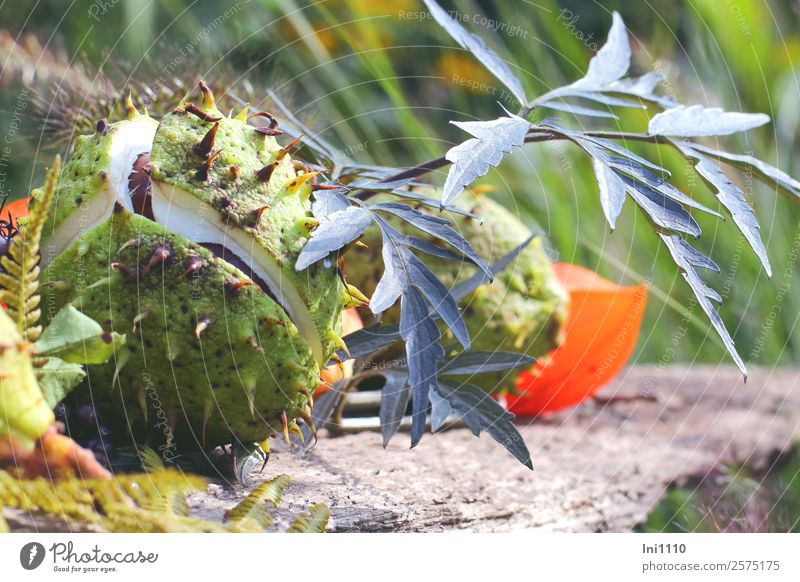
<point>734,500</point>
<point>381,81</point>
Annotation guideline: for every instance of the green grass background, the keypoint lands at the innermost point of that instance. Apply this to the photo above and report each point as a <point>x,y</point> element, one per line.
<point>379,82</point>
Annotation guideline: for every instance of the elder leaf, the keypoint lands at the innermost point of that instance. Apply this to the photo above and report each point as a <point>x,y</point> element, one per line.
<point>663,211</point>
<point>477,47</point>
<point>484,362</point>
<point>689,260</point>
<point>423,352</point>
<point>697,121</point>
<point>612,60</point>
<point>612,191</point>
<point>473,158</point>
<point>394,401</point>
<point>334,231</point>
<point>577,109</point>
<point>762,170</point>
<point>732,198</point>
<point>481,412</point>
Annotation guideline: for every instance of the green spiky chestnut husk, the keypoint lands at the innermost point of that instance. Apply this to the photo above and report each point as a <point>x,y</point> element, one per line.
<point>220,350</point>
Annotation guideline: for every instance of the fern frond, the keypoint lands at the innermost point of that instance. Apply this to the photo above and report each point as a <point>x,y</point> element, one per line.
<point>19,284</point>
<point>315,520</point>
<point>251,513</point>
<point>151,460</point>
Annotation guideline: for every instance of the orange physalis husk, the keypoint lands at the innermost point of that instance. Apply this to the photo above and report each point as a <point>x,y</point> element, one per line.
<point>600,335</point>
<point>351,322</point>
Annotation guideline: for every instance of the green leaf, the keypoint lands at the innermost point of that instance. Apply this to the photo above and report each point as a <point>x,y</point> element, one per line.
<point>315,520</point>
<point>78,339</point>
<point>58,378</point>
<point>251,511</point>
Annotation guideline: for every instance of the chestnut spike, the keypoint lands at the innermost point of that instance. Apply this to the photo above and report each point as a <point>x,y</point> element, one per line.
<point>199,113</point>
<point>285,427</point>
<point>202,174</point>
<point>203,148</point>
<point>309,397</point>
<point>129,106</point>
<point>193,264</point>
<point>160,254</point>
<point>133,243</point>
<point>327,186</point>
<point>102,126</point>
<point>237,285</point>
<point>242,115</point>
<point>268,131</point>
<point>354,297</point>
<point>208,96</point>
<point>309,223</point>
<point>265,173</point>
<point>127,271</point>
<point>264,447</point>
<point>337,341</point>
<point>307,419</point>
<point>253,342</point>
<point>202,324</point>
<point>273,121</point>
<point>295,185</point>
<point>296,430</point>
<point>234,173</point>
<point>138,319</point>
<point>258,212</point>
<point>285,150</point>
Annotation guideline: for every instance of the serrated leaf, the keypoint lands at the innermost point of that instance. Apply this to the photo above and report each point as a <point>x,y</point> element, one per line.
<point>439,297</point>
<point>484,362</point>
<point>473,158</point>
<point>315,520</point>
<point>326,202</point>
<point>392,281</point>
<point>612,60</point>
<point>604,99</point>
<point>252,509</point>
<point>577,109</point>
<point>657,183</point>
<point>697,121</point>
<point>333,232</point>
<point>394,401</point>
<point>437,227</point>
<point>76,338</point>
<point>477,47</point>
<point>689,259</point>
<point>440,411</point>
<point>642,87</point>
<point>762,170</point>
<point>423,353</point>
<point>732,198</point>
<point>58,378</point>
<point>481,412</point>
<point>661,210</point>
<point>612,191</point>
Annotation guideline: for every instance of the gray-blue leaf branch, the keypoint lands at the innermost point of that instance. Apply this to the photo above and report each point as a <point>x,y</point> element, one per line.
<point>620,172</point>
